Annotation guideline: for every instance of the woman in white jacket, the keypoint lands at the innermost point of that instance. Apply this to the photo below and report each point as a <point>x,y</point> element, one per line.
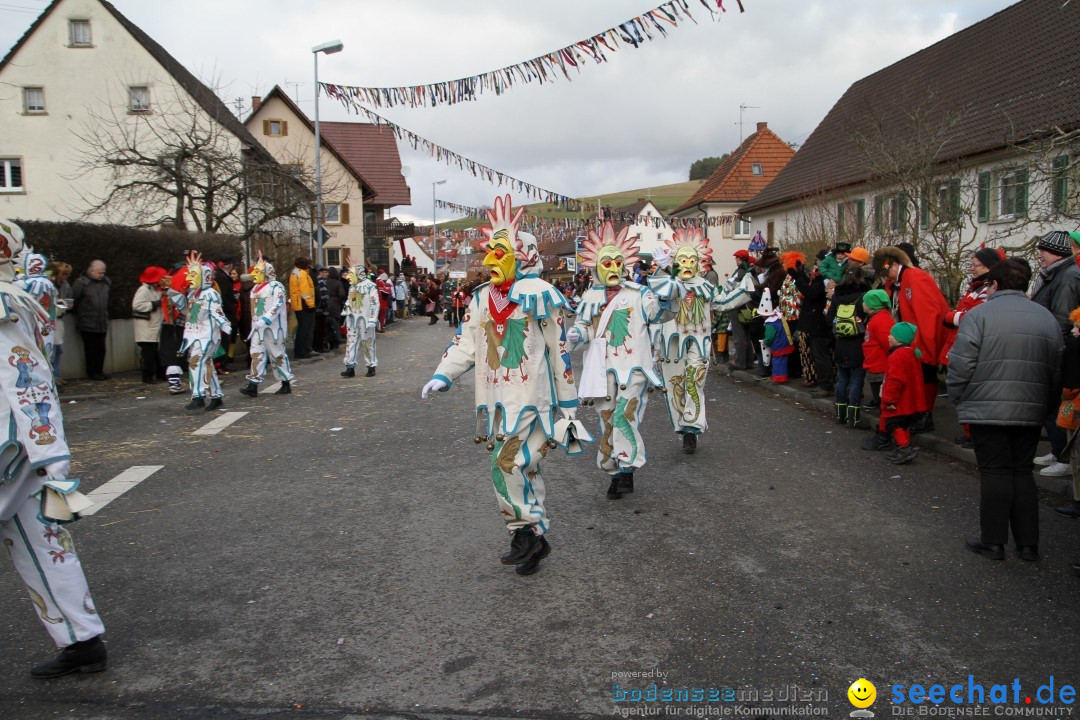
<point>146,312</point>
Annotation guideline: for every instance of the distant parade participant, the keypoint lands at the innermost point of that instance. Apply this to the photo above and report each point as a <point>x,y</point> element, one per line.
<point>361,313</point>
<point>684,340</point>
<point>614,317</point>
<point>205,321</point>
<point>36,495</point>
<point>269,326</point>
<point>514,333</point>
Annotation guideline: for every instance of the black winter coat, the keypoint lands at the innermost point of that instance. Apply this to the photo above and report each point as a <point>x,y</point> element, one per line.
<point>848,350</point>
<point>812,319</point>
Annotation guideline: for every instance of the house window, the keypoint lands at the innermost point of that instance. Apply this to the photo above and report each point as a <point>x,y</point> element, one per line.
<point>11,175</point>
<point>755,168</point>
<point>33,100</point>
<point>79,31</point>
<point>333,256</point>
<point>336,213</point>
<point>1060,184</point>
<point>860,218</point>
<point>742,226</point>
<point>139,98</point>
<point>1011,194</point>
<point>275,128</point>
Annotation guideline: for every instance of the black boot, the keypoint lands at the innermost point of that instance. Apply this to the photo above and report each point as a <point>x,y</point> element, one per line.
<point>853,416</point>
<point>370,371</point>
<point>348,372</point>
<point>214,404</point>
<point>250,389</point>
<point>924,424</point>
<point>197,403</point>
<point>992,552</point>
<point>613,489</point>
<point>87,656</point>
<point>285,389</point>
<point>533,564</point>
<point>626,482</point>
<point>689,443</point>
<point>841,412</point>
<point>877,441</point>
<point>523,545</point>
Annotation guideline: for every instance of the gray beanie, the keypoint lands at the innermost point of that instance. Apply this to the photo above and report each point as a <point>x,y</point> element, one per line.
<point>1057,242</point>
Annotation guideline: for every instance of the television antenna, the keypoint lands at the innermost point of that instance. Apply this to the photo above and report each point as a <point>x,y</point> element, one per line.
<point>743,108</point>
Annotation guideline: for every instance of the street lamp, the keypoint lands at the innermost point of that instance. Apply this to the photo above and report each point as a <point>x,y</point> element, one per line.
<point>434,251</point>
<point>334,46</point>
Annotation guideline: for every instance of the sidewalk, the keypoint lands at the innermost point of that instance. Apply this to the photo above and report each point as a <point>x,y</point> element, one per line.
<point>946,425</point>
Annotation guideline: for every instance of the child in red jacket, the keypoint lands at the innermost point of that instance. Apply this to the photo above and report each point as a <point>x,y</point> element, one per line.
<point>879,322</point>
<point>902,396</point>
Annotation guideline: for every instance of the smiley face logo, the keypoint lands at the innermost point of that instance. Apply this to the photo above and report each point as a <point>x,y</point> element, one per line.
<point>862,693</point>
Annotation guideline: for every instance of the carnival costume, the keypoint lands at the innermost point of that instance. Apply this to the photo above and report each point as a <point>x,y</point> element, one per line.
<point>35,493</point>
<point>269,326</point>
<point>205,323</point>
<point>778,343</point>
<point>514,334</point>
<point>35,282</point>
<point>361,313</point>
<point>614,317</point>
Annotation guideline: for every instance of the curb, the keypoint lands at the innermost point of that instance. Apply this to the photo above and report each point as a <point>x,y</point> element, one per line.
<point>929,441</point>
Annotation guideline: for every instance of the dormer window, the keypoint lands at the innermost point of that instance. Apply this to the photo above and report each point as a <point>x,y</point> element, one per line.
<point>755,168</point>
<point>79,33</point>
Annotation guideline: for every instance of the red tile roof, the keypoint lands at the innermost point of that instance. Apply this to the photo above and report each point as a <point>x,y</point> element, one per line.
<point>733,180</point>
<point>373,149</point>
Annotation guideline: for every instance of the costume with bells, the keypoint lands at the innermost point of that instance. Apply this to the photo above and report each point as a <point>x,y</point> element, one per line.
<point>205,323</point>
<point>36,495</point>
<point>514,334</point>
<point>35,282</point>
<point>361,313</point>
<point>683,341</point>
<point>615,317</point>
<point>269,326</point>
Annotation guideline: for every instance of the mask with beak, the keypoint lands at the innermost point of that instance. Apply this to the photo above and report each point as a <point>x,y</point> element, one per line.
<point>608,254</point>
<point>690,249</point>
<point>510,253</point>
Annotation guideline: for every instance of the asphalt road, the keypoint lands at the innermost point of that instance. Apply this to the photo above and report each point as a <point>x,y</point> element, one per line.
<point>334,553</point>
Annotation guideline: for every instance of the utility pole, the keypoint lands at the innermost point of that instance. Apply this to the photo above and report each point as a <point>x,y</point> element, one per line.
<point>741,109</point>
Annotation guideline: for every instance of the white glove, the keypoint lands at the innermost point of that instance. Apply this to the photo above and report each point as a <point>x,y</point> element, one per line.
<point>662,258</point>
<point>58,470</point>
<point>573,336</point>
<point>433,385</point>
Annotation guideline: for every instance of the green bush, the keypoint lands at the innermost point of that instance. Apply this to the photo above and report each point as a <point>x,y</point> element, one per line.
<point>126,252</point>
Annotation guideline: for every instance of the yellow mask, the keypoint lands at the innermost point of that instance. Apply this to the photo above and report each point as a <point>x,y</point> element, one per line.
<point>258,273</point>
<point>686,263</point>
<point>194,275</point>
<point>609,266</point>
<point>500,258</point>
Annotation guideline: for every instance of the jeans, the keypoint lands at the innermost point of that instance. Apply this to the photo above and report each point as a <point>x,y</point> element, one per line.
<point>1007,496</point>
<point>849,385</point>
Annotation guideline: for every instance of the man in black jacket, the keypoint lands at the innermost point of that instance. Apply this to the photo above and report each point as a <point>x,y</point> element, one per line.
<point>337,295</point>
<point>812,321</point>
<point>90,294</point>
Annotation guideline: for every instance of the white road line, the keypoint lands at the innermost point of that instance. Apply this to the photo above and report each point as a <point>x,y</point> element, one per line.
<point>119,485</point>
<point>219,423</point>
<point>273,388</point>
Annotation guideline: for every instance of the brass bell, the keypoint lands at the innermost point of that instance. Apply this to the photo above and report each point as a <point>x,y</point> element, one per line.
<point>608,398</point>
<point>478,439</point>
<point>651,388</point>
<point>552,444</point>
<point>500,437</point>
<point>491,446</point>
<point>543,323</point>
<point>622,387</point>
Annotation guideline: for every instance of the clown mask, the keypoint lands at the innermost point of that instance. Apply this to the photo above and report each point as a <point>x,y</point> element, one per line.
<point>686,263</point>
<point>609,266</point>
<point>500,259</point>
<point>194,275</point>
<point>258,273</point>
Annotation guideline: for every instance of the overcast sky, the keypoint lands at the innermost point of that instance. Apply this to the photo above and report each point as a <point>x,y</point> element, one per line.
<point>638,120</point>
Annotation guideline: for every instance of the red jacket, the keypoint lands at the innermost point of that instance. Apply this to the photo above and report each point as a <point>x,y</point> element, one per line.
<point>921,303</point>
<point>875,349</point>
<point>903,385</point>
<point>975,296</point>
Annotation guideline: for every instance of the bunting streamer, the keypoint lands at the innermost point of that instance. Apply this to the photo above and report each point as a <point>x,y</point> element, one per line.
<point>543,69</point>
<point>547,225</point>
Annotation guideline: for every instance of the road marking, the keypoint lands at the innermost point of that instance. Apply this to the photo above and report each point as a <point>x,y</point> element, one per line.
<point>219,423</point>
<point>119,485</point>
<point>273,388</point>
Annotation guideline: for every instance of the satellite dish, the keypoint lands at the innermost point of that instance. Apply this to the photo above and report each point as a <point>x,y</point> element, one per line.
<point>405,171</point>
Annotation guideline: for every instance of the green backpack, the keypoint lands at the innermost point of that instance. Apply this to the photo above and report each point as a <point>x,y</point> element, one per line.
<point>846,323</point>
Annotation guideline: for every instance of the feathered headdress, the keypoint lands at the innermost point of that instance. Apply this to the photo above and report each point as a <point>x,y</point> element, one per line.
<point>504,225</point>
<point>692,238</point>
<point>33,264</point>
<point>592,245</point>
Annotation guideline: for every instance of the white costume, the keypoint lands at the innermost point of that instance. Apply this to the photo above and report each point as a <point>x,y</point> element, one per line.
<point>205,322</point>
<point>614,317</point>
<point>361,313</point>
<point>34,463</point>
<point>269,325</point>
<point>35,282</point>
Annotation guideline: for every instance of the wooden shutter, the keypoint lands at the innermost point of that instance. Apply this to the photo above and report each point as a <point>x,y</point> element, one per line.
<point>954,201</point>
<point>840,220</point>
<point>984,197</point>
<point>266,127</point>
<point>860,217</point>
<point>1021,193</point>
<point>879,215</point>
<point>924,207</point>
<point>1061,183</point>
<point>902,209</point>
<point>284,128</point>
<point>343,214</point>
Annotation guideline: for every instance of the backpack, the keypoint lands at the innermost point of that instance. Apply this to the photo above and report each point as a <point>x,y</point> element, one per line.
<point>846,323</point>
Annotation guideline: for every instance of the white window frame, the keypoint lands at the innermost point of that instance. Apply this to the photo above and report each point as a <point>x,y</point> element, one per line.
<point>73,34</point>
<point>270,128</point>
<point>333,256</point>
<point>140,108</point>
<point>5,175</point>
<point>999,191</point>
<point>27,110</point>
<point>742,227</point>
<point>756,169</point>
<point>336,215</point>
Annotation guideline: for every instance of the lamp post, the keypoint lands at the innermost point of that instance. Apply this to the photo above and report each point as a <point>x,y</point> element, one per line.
<point>434,250</point>
<point>334,46</point>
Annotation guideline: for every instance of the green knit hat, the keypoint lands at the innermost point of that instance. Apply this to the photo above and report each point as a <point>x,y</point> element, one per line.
<point>1075,237</point>
<point>877,299</point>
<point>904,332</point>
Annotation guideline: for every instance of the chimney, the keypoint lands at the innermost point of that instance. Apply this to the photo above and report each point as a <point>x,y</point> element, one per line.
<point>761,126</point>
<point>256,101</point>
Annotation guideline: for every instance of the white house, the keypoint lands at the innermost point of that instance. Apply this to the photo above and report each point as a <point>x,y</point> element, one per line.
<point>646,223</point>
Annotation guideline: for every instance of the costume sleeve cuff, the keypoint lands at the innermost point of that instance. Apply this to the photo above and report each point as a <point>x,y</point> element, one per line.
<point>445,379</point>
<point>569,403</point>
<point>48,461</point>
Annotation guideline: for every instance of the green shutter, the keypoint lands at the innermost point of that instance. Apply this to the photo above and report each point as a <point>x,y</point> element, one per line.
<point>878,215</point>
<point>1021,193</point>
<point>860,217</point>
<point>954,201</point>
<point>984,196</point>
<point>1061,183</point>
<point>840,220</point>
<point>924,208</point>
<point>902,206</point>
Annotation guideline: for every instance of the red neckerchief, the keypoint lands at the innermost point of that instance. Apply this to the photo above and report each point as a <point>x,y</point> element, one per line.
<point>501,308</point>
<point>260,286</point>
<point>611,292</point>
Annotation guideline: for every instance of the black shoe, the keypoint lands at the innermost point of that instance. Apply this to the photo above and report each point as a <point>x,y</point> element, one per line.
<point>250,389</point>
<point>214,404</point>
<point>877,441</point>
<point>822,392</point>
<point>348,372</point>
<point>533,564</point>
<point>902,455</point>
<point>993,552</point>
<point>304,356</point>
<point>924,424</point>
<point>613,489</point>
<point>99,376</point>
<point>370,372</point>
<point>197,403</point>
<point>841,412</point>
<point>285,389</point>
<point>853,417</point>
<point>873,405</point>
<point>523,544</point>
<point>1076,567</point>
<point>1029,553</point>
<point>626,482</point>
<point>433,321</point>
<point>1070,509</point>
<point>88,656</point>
<point>689,443</point>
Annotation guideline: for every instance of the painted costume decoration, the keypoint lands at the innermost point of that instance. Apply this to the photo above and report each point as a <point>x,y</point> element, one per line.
<point>615,318</point>
<point>36,283</point>
<point>35,493</point>
<point>361,313</point>
<point>205,323</point>
<point>514,335</point>
<point>269,325</point>
<point>683,341</point>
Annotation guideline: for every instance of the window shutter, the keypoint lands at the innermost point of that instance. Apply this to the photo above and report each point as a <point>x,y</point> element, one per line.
<point>1061,183</point>
<point>840,220</point>
<point>1021,192</point>
<point>284,128</point>
<point>902,206</point>
<point>860,217</point>
<point>984,197</point>
<point>266,127</point>
<point>879,215</point>
<point>924,208</point>
<point>954,201</point>
<point>343,214</point>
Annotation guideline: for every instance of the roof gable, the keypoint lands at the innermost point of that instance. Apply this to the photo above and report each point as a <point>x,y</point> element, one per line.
<point>374,148</point>
<point>1003,79</point>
